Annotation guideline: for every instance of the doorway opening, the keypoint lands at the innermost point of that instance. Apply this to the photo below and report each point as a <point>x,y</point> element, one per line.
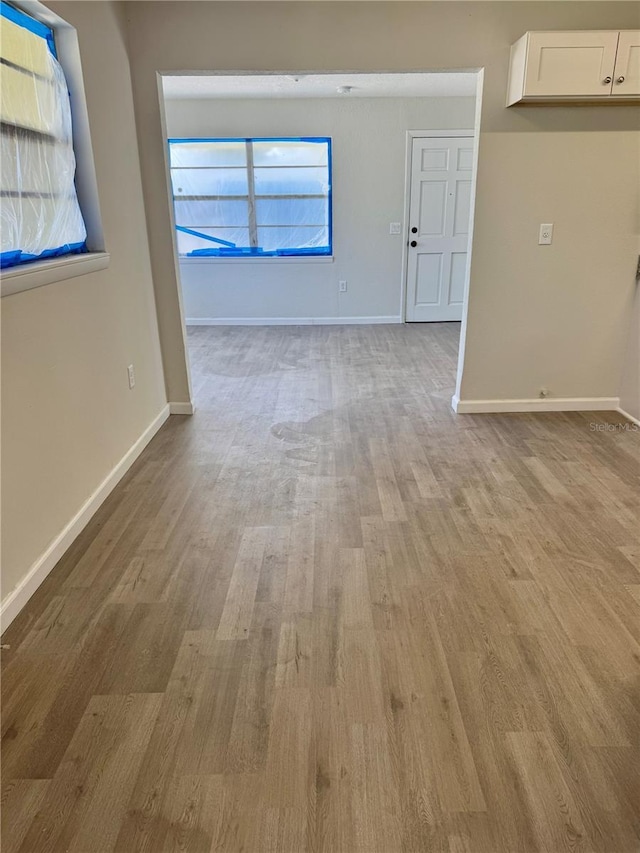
<point>276,240</point>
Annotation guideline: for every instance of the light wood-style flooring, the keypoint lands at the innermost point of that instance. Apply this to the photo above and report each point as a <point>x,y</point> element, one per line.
<point>327,614</point>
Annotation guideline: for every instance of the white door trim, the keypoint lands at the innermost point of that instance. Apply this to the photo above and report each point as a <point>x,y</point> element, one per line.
<point>411,135</point>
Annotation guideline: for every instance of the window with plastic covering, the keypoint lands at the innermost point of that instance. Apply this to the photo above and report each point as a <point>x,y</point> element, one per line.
<point>39,212</point>
<point>259,197</point>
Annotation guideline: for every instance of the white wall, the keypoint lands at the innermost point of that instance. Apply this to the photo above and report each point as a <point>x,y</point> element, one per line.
<point>369,152</point>
<point>554,316</point>
<point>68,416</point>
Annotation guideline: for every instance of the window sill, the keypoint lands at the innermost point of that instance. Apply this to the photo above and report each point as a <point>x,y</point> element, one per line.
<point>40,273</point>
<point>312,259</point>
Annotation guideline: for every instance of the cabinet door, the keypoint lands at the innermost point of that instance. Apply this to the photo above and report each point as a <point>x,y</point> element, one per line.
<point>570,63</point>
<point>626,77</point>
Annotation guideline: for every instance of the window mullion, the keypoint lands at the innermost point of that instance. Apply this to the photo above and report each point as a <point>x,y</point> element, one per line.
<point>253,226</point>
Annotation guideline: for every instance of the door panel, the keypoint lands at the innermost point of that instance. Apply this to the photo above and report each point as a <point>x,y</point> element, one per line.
<point>439,208</point>
<point>433,208</point>
<point>429,279</point>
<point>465,159</point>
<point>462,208</point>
<point>627,65</point>
<point>438,158</point>
<point>570,63</point>
<point>456,278</point>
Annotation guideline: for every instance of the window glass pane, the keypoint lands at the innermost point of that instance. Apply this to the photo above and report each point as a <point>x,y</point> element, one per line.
<point>39,215</point>
<point>30,166</point>
<point>200,214</point>
<point>30,102</point>
<point>284,181</point>
<point>203,182</point>
<point>221,153</point>
<point>282,153</point>
<point>25,49</point>
<point>188,242</point>
<point>289,207</point>
<point>292,211</point>
<point>297,237</point>
<point>30,221</point>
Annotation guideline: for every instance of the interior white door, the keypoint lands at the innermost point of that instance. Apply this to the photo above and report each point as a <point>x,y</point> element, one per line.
<point>439,212</point>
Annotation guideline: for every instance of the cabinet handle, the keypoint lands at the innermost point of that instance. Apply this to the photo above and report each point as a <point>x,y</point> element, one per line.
<point>606,80</point>
<point>620,80</point>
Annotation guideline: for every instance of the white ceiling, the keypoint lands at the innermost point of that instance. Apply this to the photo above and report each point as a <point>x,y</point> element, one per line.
<point>436,84</point>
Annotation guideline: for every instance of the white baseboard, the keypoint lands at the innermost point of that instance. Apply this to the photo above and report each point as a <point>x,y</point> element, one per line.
<point>547,404</point>
<point>290,321</point>
<point>18,597</point>
<point>629,417</point>
<point>181,408</point>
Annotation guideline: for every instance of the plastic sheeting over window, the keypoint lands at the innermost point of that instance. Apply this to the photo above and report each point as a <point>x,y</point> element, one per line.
<point>39,212</point>
<point>248,197</point>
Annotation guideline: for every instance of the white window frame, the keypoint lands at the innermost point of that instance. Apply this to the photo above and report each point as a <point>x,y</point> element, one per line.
<point>42,272</point>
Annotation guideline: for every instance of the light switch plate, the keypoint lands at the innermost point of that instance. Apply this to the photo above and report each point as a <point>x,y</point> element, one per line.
<point>395,227</point>
<point>545,235</point>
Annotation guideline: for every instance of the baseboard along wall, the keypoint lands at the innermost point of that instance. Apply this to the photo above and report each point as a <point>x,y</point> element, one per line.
<point>291,321</point>
<point>20,595</point>
<point>545,404</point>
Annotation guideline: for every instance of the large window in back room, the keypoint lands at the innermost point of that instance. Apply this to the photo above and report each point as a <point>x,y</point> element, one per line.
<point>261,197</point>
<point>39,212</point>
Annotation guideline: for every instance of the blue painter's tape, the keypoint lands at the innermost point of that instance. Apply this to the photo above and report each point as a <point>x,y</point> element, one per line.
<point>316,250</point>
<point>257,252</point>
<point>208,139</point>
<point>205,236</point>
<point>23,20</point>
<point>17,256</point>
<point>236,252</point>
<point>10,259</point>
<point>186,139</point>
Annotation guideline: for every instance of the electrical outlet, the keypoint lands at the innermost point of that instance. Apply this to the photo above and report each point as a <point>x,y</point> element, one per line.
<point>342,286</point>
<point>545,235</point>
<point>132,376</point>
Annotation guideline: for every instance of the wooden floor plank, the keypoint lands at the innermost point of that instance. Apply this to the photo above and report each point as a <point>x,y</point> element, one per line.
<point>326,614</point>
<point>87,798</point>
<point>20,802</point>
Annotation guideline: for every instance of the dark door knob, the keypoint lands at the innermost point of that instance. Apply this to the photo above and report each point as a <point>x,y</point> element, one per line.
<point>414,230</point>
<point>413,244</point>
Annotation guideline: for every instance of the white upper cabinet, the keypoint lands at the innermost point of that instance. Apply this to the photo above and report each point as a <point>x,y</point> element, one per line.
<point>570,63</point>
<point>574,66</point>
<point>626,75</point>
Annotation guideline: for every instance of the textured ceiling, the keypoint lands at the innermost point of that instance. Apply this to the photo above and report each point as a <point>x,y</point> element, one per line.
<point>439,84</point>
